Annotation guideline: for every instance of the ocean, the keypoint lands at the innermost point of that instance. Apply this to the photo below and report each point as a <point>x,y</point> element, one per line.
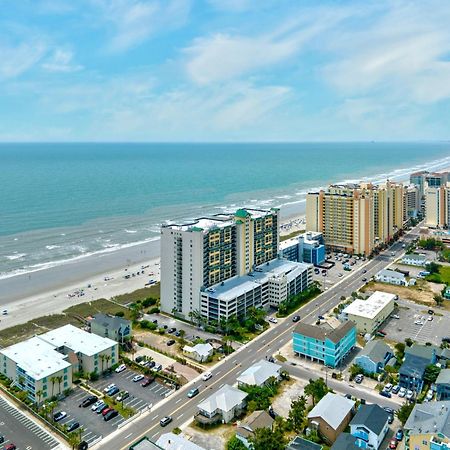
<point>60,202</point>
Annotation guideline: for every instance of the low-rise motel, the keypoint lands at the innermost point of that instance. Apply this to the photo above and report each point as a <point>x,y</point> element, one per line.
<point>44,365</point>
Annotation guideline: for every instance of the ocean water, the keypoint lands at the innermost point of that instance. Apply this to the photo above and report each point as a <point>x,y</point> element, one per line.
<point>64,201</point>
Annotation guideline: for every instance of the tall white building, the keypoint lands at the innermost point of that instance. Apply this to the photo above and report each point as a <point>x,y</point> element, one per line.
<point>437,211</point>
<point>198,255</point>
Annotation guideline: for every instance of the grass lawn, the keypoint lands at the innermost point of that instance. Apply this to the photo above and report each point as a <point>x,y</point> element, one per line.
<point>442,277</point>
<point>139,294</point>
<point>103,306</point>
<point>291,235</point>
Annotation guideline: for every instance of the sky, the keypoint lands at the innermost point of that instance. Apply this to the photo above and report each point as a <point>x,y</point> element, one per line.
<point>224,70</point>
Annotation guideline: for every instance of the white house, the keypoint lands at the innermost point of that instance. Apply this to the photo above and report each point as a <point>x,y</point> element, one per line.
<point>391,277</point>
<point>259,374</point>
<point>369,426</point>
<point>414,259</point>
<point>199,352</point>
<point>222,406</point>
<point>171,441</point>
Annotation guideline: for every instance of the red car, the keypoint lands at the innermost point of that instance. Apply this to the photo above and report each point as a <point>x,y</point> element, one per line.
<point>393,444</point>
<point>10,447</point>
<point>106,411</point>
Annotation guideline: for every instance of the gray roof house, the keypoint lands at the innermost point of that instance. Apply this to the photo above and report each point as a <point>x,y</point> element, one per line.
<point>374,356</point>
<point>171,441</point>
<point>443,385</point>
<point>345,441</point>
<point>199,352</point>
<point>221,406</point>
<point>259,374</point>
<point>391,277</point>
<point>369,426</point>
<point>299,443</point>
<point>111,327</point>
<point>331,416</point>
<point>429,421</point>
<point>246,429</point>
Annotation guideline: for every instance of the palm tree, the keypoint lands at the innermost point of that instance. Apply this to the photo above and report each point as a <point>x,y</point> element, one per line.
<point>107,359</point>
<point>59,380</point>
<point>102,358</point>
<point>39,395</point>
<point>53,381</point>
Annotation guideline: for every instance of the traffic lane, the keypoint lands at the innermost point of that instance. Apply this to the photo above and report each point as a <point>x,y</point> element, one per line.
<point>19,429</point>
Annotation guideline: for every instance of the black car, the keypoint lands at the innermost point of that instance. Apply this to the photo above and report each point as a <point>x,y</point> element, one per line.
<point>446,339</point>
<point>385,394</point>
<point>295,318</point>
<point>73,427</point>
<point>165,421</point>
<point>151,364</point>
<point>2,439</point>
<point>171,330</point>
<point>88,401</point>
<point>388,410</point>
<point>170,342</point>
<point>430,311</point>
<point>110,415</point>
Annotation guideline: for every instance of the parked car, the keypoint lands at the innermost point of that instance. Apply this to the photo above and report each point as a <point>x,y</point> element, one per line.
<point>446,339</point>
<point>121,368</point>
<point>273,320</point>
<point>115,390</point>
<point>101,408</point>
<point>165,421</point>
<point>429,395</point>
<point>60,415</point>
<point>385,394</point>
<point>295,318</point>
<point>359,378</point>
<point>138,377</point>
<point>418,322</point>
<point>170,342</point>
<point>430,318</point>
<point>110,415</point>
<point>409,394</point>
<point>122,396</point>
<point>399,434</point>
<point>206,376</point>
<point>2,439</point>
<point>147,380</point>
<point>106,411</point>
<point>97,404</point>
<point>393,443</point>
<point>388,387</point>
<point>109,387</point>
<point>157,367</point>
<point>402,392</point>
<point>430,311</point>
<point>88,401</point>
<point>10,447</point>
<point>395,316</point>
<point>193,392</point>
<point>72,427</point>
<point>172,330</point>
<point>364,280</point>
<point>396,389</point>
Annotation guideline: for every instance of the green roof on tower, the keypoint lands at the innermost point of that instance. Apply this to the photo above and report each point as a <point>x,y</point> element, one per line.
<point>242,213</point>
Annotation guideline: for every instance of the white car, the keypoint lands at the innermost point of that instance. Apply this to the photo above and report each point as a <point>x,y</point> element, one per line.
<point>109,387</point>
<point>430,318</point>
<point>273,320</point>
<point>402,392</point>
<point>96,404</point>
<point>138,377</point>
<point>396,316</point>
<point>206,376</point>
<point>388,387</point>
<point>121,368</point>
<point>429,396</point>
<point>409,394</point>
<point>418,322</point>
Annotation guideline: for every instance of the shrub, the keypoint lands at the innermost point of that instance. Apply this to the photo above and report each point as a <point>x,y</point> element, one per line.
<point>119,314</point>
<point>147,325</point>
<point>154,310</point>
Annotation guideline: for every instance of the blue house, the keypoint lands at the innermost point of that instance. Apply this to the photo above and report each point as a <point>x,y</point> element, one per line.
<point>374,356</point>
<point>443,385</point>
<point>327,346</point>
<point>417,358</point>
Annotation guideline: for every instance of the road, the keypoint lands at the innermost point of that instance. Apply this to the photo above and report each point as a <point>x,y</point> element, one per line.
<point>183,409</point>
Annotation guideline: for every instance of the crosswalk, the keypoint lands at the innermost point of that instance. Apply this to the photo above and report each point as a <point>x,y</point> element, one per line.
<point>38,431</point>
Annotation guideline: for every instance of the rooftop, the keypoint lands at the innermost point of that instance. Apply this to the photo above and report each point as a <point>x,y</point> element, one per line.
<point>201,349</point>
<point>333,409</point>
<point>376,350</point>
<point>414,366</point>
<point>298,443</point>
<point>171,441</point>
<point>225,399</point>
<point>371,307</point>
<point>112,322</point>
<point>391,274</point>
<point>38,358</point>
<point>431,417</point>
<point>321,333</point>
<point>372,417</point>
<point>443,377</point>
<point>259,373</point>
<point>345,441</point>
<point>77,340</point>
<point>257,419</point>
<point>427,352</point>
<point>416,256</point>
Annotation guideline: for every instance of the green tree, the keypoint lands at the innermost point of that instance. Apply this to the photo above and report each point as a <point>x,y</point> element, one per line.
<point>235,444</point>
<point>400,351</point>
<point>135,311</point>
<point>265,438</point>
<point>354,370</point>
<point>431,374</point>
<point>438,299</point>
<point>404,412</point>
<point>297,414</point>
<point>39,394</point>
<point>316,389</point>
<point>53,380</point>
<point>409,342</point>
<point>432,267</point>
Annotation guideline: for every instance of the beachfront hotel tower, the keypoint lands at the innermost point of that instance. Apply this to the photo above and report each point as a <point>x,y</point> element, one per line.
<point>437,211</point>
<point>356,218</point>
<point>210,250</point>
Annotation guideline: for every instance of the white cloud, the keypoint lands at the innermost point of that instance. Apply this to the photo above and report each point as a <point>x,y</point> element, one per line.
<point>135,21</point>
<point>61,61</point>
<point>15,59</point>
<point>403,52</point>
<point>222,57</point>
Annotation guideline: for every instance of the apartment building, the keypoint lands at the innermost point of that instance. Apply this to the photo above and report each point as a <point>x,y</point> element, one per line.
<point>210,250</point>
<point>437,211</point>
<point>412,202</point>
<point>356,218</point>
<point>328,346</point>
<point>43,365</point>
<point>268,285</point>
<point>308,247</point>
<point>369,314</point>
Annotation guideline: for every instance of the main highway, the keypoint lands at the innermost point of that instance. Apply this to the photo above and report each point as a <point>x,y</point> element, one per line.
<point>182,409</point>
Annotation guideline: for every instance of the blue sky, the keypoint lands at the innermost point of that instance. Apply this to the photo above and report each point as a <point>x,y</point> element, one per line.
<point>224,70</point>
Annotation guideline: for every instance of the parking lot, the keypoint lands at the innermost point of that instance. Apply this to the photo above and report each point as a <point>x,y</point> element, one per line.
<point>428,331</point>
<point>22,431</point>
<point>93,425</point>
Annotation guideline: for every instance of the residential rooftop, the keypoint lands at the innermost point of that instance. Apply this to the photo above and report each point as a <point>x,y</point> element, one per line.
<point>371,307</point>
<point>333,408</point>
<point>257,419</point>
<point>299,443</point>
<point>38,358</point>
<point>225,399</point>
<point>443,377</point>
<point>322,334</point>
<point>373,417</point>
<point>172,441</point>
<point>430,418</point>
<point>200,349</point>
<point>77,340</point>
<point>111,322</point>
<point>376,350</point>
<point>391,274</point>
<point>259,373</point>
